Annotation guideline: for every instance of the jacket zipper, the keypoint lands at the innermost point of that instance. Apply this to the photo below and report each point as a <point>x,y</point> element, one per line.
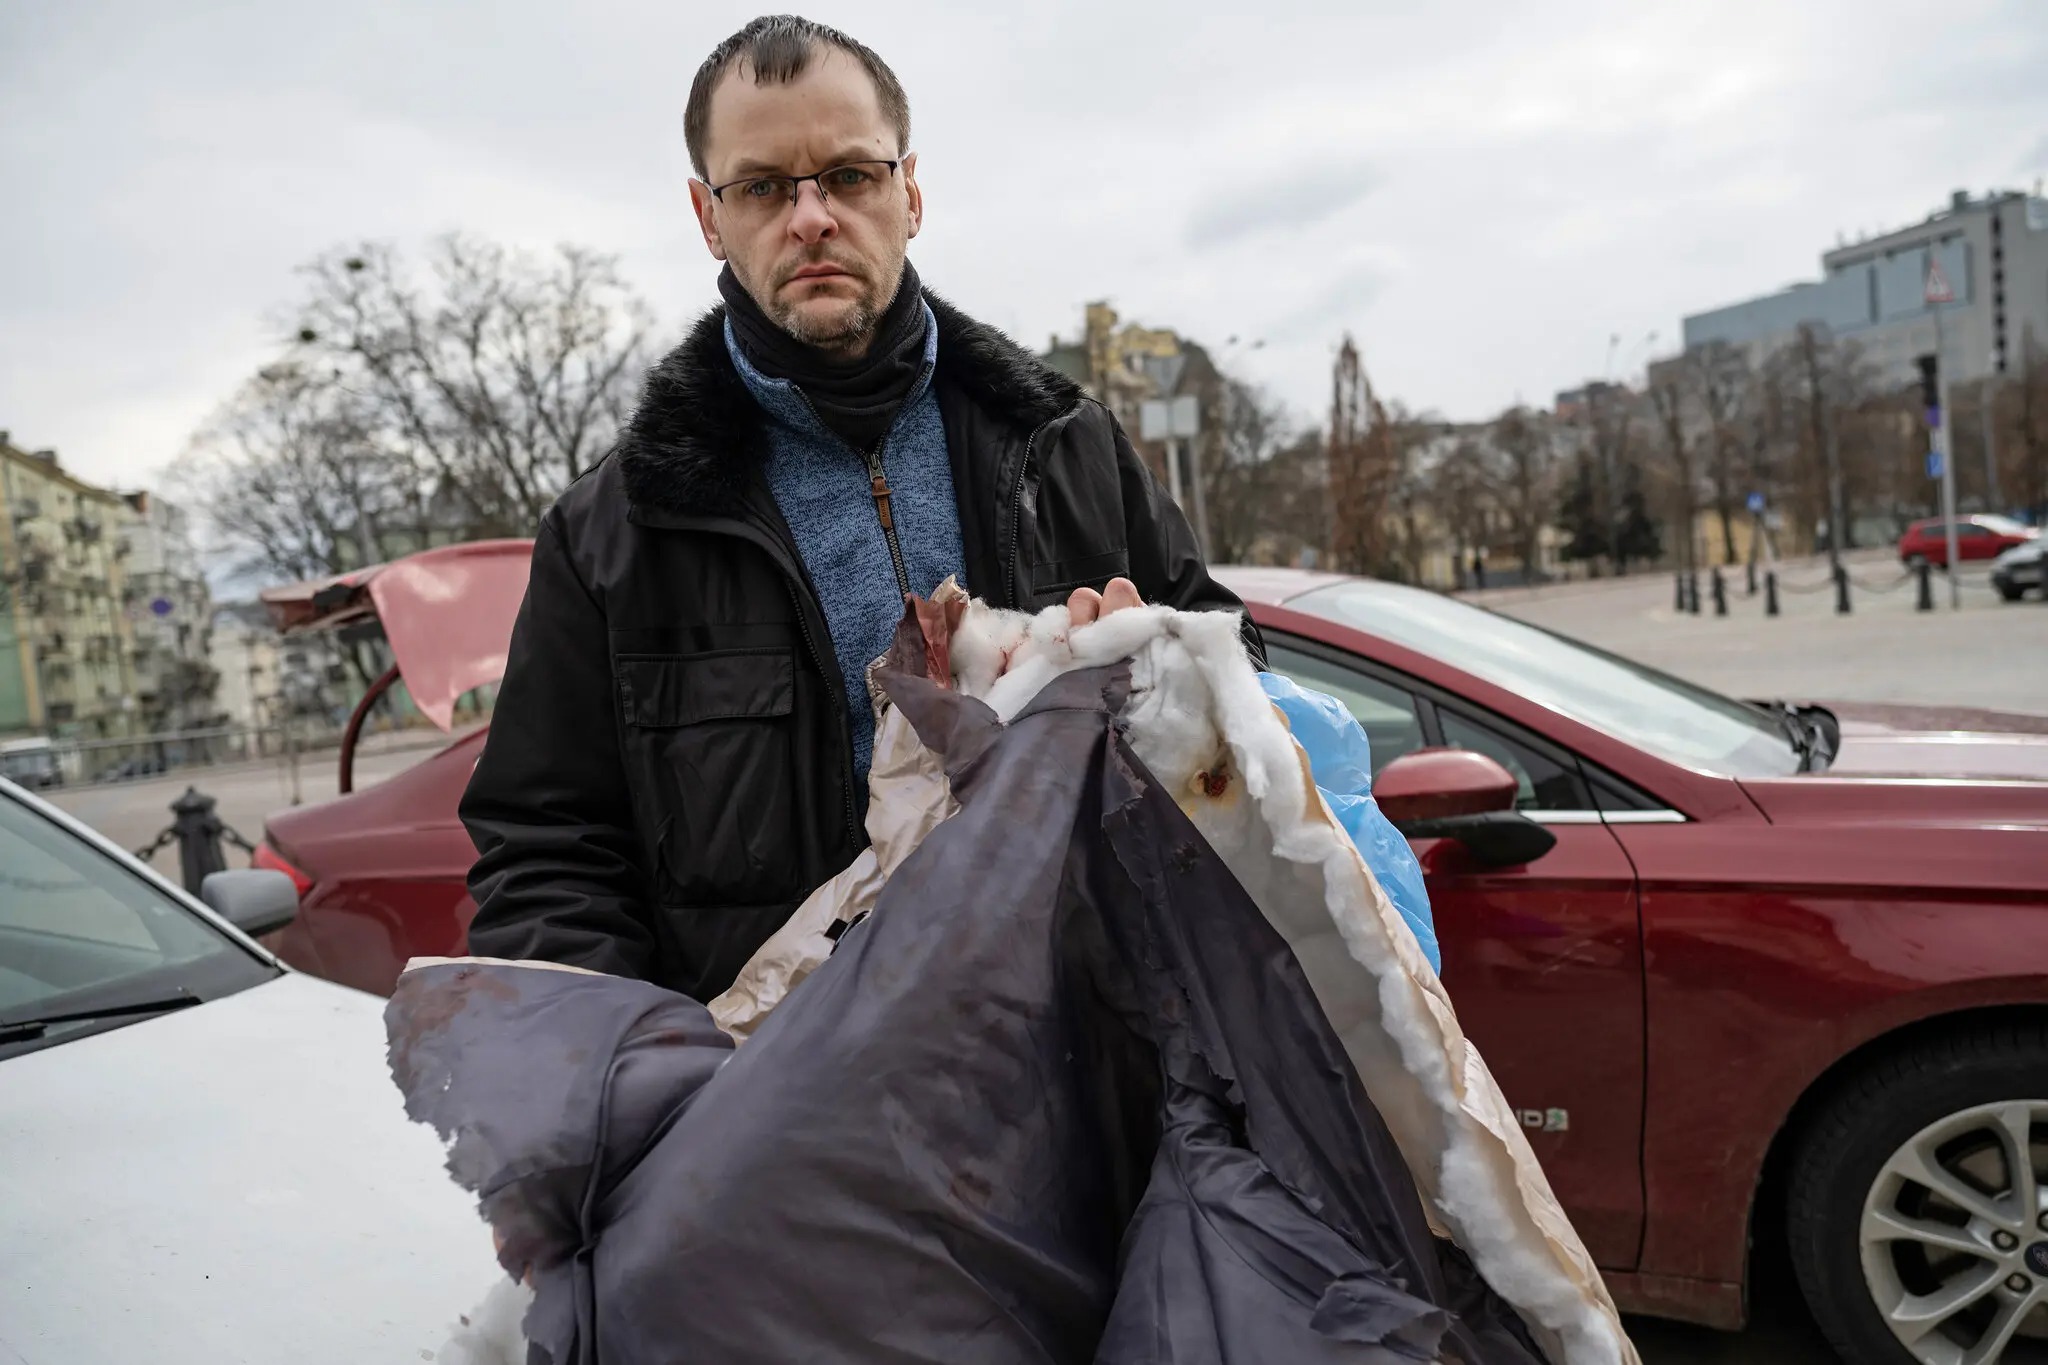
<point>1017,510</point>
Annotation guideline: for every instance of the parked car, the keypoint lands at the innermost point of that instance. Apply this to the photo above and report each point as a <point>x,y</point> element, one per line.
<point>1977,537</point>
<point>1781,966</point>
<point>30,762</point>
<point>205,1158</point>
<point>2020,567</point>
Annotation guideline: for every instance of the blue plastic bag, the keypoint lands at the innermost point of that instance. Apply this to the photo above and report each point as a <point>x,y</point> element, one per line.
<point>1340,761</point>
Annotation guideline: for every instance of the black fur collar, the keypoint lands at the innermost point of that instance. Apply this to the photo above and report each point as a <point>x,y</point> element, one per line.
<point>693,443</point>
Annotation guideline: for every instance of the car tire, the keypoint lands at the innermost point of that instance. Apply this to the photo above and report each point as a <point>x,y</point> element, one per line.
<point>1868,1240</point>
<point>2011,592</point>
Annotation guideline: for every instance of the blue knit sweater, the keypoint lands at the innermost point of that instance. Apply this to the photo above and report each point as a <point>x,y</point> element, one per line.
<point>821,484</point>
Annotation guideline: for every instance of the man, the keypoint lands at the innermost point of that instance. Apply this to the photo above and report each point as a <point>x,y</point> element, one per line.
<point>680,749</point>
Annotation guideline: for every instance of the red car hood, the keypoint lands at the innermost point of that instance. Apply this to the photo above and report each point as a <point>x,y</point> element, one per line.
<point>1921,765</point>
<point>1917,741</point>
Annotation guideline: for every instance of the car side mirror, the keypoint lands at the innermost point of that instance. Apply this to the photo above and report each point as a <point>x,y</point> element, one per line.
<point>1462,795</point>
<point>257,901</point>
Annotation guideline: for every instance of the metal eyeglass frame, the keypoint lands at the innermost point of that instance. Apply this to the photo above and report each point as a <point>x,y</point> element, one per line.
<point>795,182</point>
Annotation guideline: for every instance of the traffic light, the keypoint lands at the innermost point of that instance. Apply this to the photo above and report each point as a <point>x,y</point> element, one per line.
<point>1930,386</point>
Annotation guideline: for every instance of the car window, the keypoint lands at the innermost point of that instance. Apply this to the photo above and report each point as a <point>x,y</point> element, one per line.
<point>1542,783</point>
<point>1680,721</point>
<point>1969,530</point>
<point>1387,713</point>
<point>73,920</point>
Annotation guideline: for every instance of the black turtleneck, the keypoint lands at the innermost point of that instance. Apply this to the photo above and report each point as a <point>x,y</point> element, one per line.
<point>857,399</point>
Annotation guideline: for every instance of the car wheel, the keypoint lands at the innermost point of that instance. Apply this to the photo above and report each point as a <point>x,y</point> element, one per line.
<point>2011,592</point>
<point>1918,1216</point>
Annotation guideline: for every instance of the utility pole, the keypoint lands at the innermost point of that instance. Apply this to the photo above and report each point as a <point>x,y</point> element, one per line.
<point>1944,431</point>
<point>1936,291</point>
<point>1986,411</point>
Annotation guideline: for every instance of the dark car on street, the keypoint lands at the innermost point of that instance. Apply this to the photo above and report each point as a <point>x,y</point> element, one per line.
<point>1781,971</point>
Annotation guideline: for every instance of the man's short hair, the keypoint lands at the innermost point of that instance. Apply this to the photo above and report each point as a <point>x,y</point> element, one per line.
<point>779,48</point>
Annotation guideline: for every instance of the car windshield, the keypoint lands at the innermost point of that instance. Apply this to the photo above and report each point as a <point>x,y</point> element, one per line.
<point>82,935</point>
<point>1667,717</point>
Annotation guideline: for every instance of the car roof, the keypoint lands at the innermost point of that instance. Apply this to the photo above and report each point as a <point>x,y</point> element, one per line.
<point>1274,587</point>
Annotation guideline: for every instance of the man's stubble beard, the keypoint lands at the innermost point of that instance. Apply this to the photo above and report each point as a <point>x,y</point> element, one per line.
<point>850,330</point>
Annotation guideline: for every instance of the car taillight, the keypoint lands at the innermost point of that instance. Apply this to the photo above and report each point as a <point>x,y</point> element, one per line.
<point>270,859</point>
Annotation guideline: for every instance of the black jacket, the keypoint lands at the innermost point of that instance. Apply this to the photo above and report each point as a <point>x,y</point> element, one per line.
<point>669,771</point>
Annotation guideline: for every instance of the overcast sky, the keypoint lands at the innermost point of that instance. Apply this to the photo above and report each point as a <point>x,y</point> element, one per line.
<point>1483,194</point>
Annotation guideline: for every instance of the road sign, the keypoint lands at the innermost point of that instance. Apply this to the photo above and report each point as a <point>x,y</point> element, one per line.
<point>1756,502</point>
<point>1161,419</point>
<point>1933,464</point>
<point>1938,289</point>
<point>161,606</point>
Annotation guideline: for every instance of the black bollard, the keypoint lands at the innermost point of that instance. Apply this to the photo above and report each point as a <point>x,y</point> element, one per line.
<point>1678,589</point>
<point>1771,592</point>
<point>1720,593</point>
<point>1925,571</point>
<point>1692,591</point>
<point>1841,591</point>
<point>1752,578</point>
<point>198,830</point>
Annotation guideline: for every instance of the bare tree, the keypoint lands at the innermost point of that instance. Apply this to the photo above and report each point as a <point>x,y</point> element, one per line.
<point>1526,459</point>
<point>296,481</point>
<point>1246,482</point>
<point>1668,398</point>
<point>2022,416</point>
<point>504,375</point>
<point>1364,468</point>
<point>1723,380</point>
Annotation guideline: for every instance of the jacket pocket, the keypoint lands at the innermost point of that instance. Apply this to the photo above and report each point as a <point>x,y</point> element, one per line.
<point>708,753</point>
<point>1087,571</point>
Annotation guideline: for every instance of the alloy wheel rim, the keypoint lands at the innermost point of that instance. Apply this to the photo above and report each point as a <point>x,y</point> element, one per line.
<point>1954,1236</point>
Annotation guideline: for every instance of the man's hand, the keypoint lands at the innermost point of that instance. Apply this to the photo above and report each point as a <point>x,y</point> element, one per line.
<point>1088,605</point>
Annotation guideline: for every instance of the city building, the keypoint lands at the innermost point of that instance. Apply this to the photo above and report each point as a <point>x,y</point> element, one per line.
<point>1993,254</point>
<point>249,659</point>
<point>170,613</point>
<point>67,665</point>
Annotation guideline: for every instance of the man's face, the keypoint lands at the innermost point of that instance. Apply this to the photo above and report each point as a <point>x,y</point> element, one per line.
<point>821,269</point>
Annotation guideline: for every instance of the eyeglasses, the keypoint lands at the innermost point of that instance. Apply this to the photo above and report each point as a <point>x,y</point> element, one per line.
<point>854,186</point>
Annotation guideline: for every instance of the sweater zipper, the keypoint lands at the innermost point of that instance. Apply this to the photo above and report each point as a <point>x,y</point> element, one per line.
<point>878,488</point>
<point>878,482</point>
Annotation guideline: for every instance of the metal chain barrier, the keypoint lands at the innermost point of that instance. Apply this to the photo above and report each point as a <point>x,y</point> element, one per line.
<point>1901,581</point>
<point>198,832</point>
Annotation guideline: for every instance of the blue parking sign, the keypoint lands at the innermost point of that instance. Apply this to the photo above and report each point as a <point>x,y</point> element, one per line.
<point>1933,464</point>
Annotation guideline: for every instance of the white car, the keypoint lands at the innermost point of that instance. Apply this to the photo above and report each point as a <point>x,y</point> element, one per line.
<point>202,1155</point>
<point>2020,567</point>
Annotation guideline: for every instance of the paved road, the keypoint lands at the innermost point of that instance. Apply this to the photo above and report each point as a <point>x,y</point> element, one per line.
<point>132,813</point>
<point>1991,654</point>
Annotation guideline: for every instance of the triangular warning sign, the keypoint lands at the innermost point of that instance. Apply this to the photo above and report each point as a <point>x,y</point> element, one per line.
<point>1938,289</point>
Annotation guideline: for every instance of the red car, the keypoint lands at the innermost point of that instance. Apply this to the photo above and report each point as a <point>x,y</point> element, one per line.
<point>1978,537</point>
<point>1783,970</point>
